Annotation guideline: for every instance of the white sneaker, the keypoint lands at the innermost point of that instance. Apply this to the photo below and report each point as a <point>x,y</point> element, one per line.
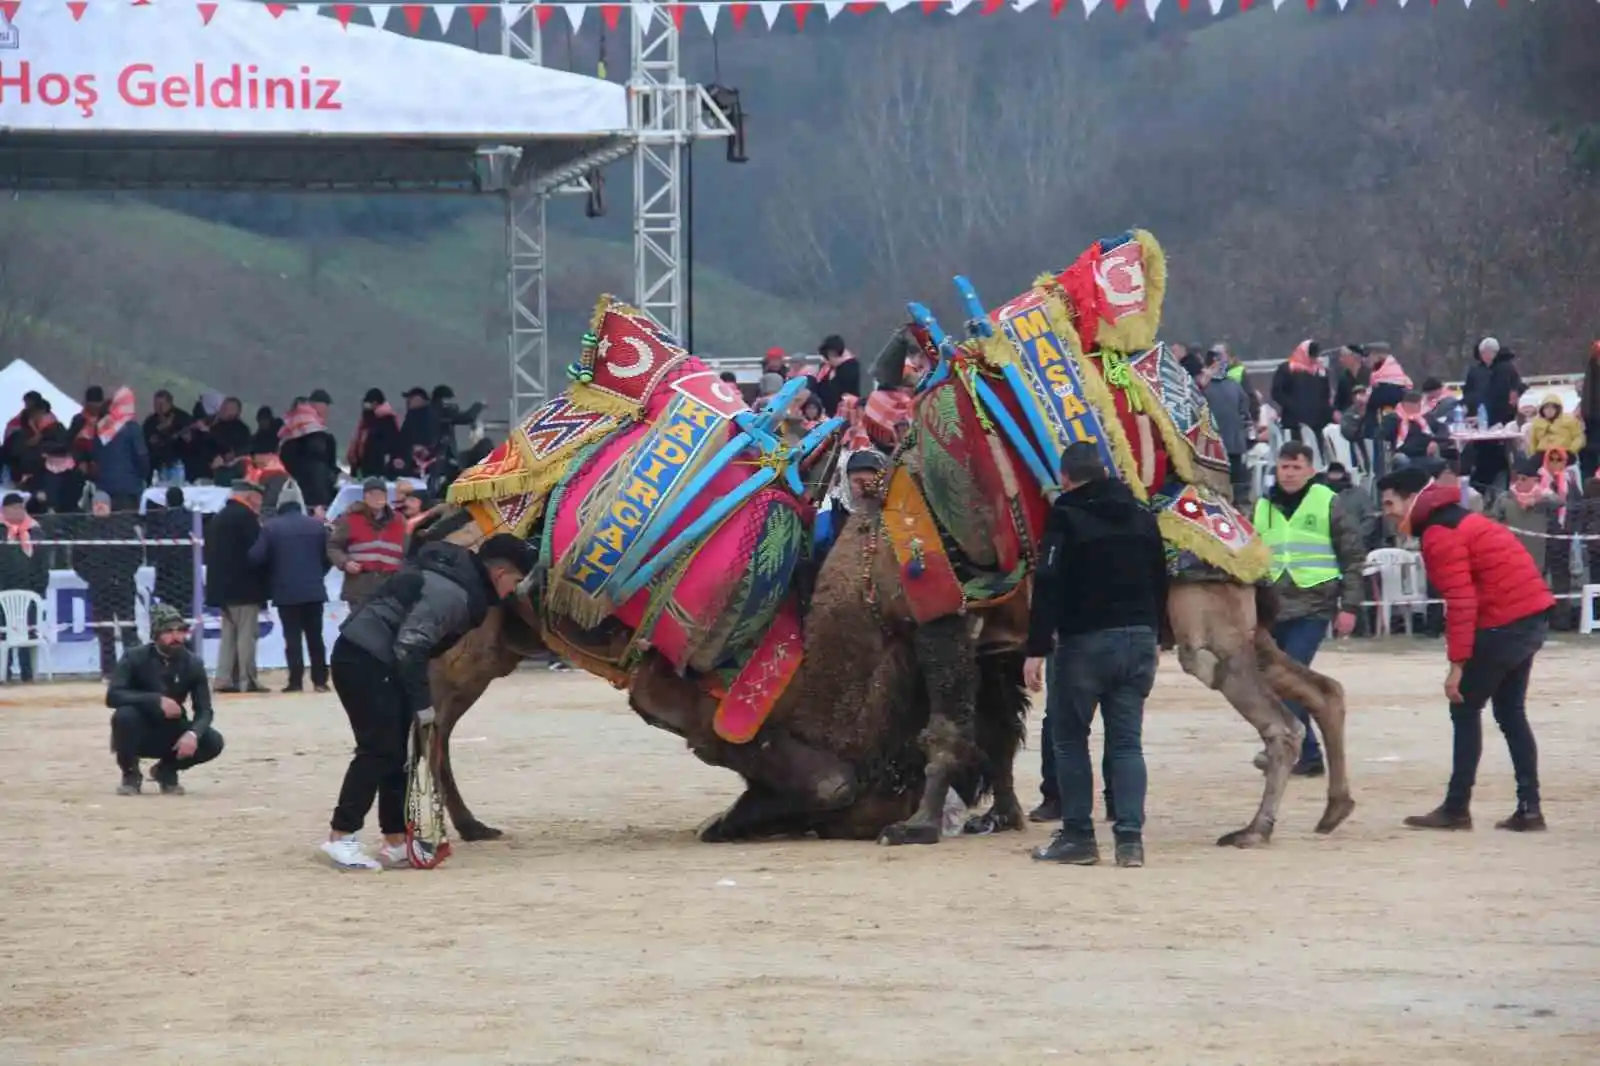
<point>346,854</point>
<point>398,856</point>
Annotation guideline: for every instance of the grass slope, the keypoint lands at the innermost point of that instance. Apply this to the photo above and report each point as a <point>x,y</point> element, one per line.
<point>158,298</point>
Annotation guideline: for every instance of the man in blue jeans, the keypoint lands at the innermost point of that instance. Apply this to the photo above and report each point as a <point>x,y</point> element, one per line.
<point>1317,558</point>
<point>1099,597</point>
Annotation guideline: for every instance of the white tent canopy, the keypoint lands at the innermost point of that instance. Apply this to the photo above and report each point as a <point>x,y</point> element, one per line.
<point>162,69</point>
<point>19,378</point>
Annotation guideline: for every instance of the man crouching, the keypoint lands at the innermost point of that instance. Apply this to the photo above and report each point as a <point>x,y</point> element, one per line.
<point>380,671</point>
<point>147,693</point>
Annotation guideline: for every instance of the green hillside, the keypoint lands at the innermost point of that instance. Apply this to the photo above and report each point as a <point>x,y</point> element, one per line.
<point>116,290</point>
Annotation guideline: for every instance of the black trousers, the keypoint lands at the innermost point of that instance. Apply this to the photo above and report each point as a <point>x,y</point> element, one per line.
<point>1497,674</point>
<point>145,733</point>
<point>111,611</point>
<point>303,622</point>
<point>375,705</point>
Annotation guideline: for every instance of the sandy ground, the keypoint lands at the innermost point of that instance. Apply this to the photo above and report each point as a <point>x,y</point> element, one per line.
<point>202,930</point>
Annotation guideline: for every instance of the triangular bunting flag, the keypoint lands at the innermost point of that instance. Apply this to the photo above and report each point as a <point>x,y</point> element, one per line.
<point>1089,6</point>
<point>612,13</point>
<point>801,9</point>
<point>1276,4</point>
<point>832,8</point>
<point>930,6</point>
<point>276,10</point>
<point>77,7</point>
<point>476,13</point>
<point>575,15</point>
<point>863,7</point>
<point>342,12</point>
<point>8,8</point>
<point>543,13</point>
<point>990,7</point>
<point>207,13</point>
<point>740,13</point>
<point>1150,8</point>
<point>1402,3</point>
<point>1342,4</point>
<point>769,11</point>
<point>895,5</point>
<point>708,15</point>
<point>1022,5</point>
<point>677,11</point>
<point>380,14</point>
<point>1216,7</point>
<point>646,14</point>
<point>1056,7</point>
<point>413,14</point>
<point>958,6</point>
<point>1119,5</point>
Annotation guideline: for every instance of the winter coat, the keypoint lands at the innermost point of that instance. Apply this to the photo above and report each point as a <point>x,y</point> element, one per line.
<point>380,446</point>
<point>1531,523</point>
<point>164,438</point>
<point>293,552</point>
<point>419,613</point>
<point>145,675</point>
<point>1479,567</point>
<point>107,567</point>
<point>312,460</point>
<point>231,580</point>
<point>1493,386</point>
<point>1564,431</point>
<point>1303,399</point>
<point>122,466</point>
<point>359,586</point>
<point>1230,410</point>
<point>22,570</point>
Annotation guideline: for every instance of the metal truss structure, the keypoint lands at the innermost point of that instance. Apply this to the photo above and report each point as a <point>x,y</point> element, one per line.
<point>666,114</point>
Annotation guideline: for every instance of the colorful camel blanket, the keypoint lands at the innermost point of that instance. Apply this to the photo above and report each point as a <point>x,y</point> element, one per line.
<point>664,520</point>
<point>1075,359</point>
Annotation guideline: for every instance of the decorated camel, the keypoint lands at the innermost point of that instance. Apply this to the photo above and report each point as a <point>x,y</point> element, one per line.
<point>910,681</point>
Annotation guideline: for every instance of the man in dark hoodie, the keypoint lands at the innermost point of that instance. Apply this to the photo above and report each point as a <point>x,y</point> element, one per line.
<point>380,671</point>
<point>1099,597</point>
<point>1497,611</point>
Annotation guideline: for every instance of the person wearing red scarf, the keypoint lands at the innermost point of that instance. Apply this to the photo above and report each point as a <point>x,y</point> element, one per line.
<point>23,565</point>
<point>121,456</point>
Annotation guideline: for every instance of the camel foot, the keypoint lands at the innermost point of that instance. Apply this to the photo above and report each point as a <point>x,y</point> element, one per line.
<point>1336,812</point>
<point>910,833</point>
<point>1248,837</point>
<point>993,821</point>
<point>473,831</point>
<point>715,830</point>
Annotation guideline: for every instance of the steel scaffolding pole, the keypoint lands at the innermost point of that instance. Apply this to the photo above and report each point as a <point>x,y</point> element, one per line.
<point>527,339</point>
<point>667,114</point>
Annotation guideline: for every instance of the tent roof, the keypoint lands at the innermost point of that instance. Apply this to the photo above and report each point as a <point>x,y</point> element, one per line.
<point>157,96</point>
<point>19,377</point>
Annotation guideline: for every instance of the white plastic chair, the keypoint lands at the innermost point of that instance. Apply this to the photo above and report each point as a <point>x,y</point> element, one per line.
<point>1586,619</point>
<point>1402,582</point>
<point>14,629</point>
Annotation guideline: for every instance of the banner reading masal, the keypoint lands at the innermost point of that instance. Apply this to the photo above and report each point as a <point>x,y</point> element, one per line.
<point>159,69</point>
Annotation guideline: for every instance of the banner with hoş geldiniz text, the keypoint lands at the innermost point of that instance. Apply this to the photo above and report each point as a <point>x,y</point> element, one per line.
<point>116,67</point>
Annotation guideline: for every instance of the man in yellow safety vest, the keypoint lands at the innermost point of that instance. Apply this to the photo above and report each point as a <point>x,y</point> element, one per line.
<point>1317,559</point>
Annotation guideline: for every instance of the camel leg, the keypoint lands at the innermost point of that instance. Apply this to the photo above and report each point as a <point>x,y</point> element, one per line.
<point>945,655</point>
<point>1214,624</point>
<point>1324,698</point>
<point>1002,714</point>
<point>457,680</point>
<point>789,784</point>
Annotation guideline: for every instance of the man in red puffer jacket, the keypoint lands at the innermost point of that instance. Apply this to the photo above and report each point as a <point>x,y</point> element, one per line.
<point>1496,618</point>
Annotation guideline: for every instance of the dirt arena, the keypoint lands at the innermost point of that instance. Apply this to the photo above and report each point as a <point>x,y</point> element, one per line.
<point>203,929</point>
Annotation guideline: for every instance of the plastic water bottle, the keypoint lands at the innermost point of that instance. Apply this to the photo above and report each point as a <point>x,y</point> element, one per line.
<point>1458,419</point>
<point>1483,416</point>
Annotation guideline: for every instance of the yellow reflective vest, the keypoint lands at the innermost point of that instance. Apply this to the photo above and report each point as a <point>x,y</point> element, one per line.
<point>1302,546</point>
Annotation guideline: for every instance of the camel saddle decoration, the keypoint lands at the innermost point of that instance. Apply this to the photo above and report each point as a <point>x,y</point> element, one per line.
<point>1075,358</point>
<point>668,516</point>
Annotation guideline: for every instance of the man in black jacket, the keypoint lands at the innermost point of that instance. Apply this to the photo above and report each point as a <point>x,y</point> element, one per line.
<point>1099,596</point>
<point>236,586</point>
<point>380,671</point>
<point>146,695</point>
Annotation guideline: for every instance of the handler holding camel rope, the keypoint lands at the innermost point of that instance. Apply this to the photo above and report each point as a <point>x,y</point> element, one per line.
<point>380,671</point>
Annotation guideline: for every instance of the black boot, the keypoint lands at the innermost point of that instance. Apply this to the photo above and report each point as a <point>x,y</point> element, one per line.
<point>1526,819</point>
<point>1047,811</point>
<point>132,783</point>
<point>1068,850</point>
<point>167,777</point>
<point>1441,818</point>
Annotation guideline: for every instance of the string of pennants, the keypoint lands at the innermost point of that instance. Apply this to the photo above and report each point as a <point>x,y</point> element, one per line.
<point>710,13</point>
